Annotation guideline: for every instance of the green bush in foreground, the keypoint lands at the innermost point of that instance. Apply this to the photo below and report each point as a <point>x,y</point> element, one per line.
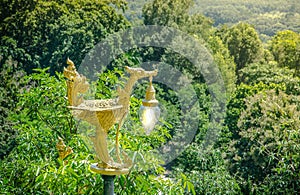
<point>33,166</point>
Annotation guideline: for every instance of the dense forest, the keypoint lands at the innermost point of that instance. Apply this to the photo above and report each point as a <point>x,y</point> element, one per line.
<point>228,90</point>
<point>268,17</point>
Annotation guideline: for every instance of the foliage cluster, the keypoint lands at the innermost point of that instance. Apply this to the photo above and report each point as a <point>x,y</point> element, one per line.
<point>44,33</point>
<point>267,17</point>
<point>9,88</point>
<point>33,165</point>
<point>243,43</point>
<point>261,114</point>
<point>166,13</point>
<point>268,148</point>
<point>285,47</point>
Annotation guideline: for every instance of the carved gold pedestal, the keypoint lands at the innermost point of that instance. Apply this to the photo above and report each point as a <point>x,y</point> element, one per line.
<point>99,168</point>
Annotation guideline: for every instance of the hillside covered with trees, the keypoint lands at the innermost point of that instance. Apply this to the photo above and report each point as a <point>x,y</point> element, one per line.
<point>268,17</point>
<point>246,137</point>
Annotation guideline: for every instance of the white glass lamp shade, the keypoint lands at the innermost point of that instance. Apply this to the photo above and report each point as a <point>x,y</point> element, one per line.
<point>149,111</point>
<point>149,117</point>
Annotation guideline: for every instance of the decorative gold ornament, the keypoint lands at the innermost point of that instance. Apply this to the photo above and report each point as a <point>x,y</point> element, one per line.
<point>63,150</point>
<point>103,114</point>
<point>76,84</point>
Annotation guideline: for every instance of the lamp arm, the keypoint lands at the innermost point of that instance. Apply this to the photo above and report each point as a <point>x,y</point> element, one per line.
<point>124,97</point>
<point>135,74</point>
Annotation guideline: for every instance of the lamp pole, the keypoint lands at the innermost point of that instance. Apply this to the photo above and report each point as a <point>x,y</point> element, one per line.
<point>108,184</point>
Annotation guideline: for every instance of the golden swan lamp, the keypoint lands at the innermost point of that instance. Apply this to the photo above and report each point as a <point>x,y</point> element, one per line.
<point>104,114</point>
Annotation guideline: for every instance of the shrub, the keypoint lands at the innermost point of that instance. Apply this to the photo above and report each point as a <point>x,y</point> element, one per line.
<point>267,152</point>
<point>33,166</point>
<point>10,85</point>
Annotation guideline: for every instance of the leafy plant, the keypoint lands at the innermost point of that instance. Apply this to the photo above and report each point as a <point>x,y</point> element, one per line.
<point>10,86</point>
<point>33,165</point>
<point>44,33</point>
<point>285,46</point>
<point>205,169</point>
<point>269,143</point>
<point>243,43</point>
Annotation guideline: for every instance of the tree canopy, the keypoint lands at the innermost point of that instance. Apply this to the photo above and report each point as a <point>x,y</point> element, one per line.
<point>45,33</point>
<point>285,46</point>
<point>243,43</point>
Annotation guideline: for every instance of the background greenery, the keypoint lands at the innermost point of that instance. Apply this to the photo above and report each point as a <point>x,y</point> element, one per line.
<point>256,46</point>
<point>268,17</point>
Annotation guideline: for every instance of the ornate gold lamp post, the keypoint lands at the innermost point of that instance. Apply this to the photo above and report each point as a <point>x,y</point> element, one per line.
<point>104,114</point>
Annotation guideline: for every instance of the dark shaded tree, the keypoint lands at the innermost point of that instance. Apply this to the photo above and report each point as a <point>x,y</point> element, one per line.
<point>167,13</point>
<point>44,33</point>
<point>243,43</point>
<point>10,85</point>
